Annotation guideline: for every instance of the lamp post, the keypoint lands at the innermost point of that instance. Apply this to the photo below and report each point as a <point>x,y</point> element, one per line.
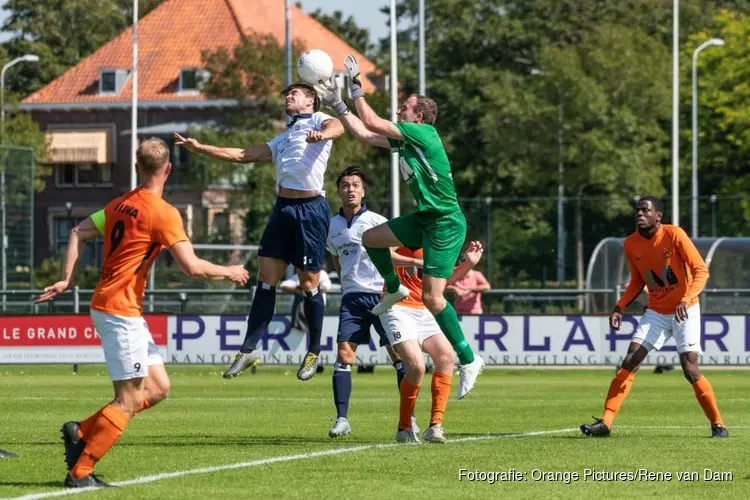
<point>694,199</point>
<point>676,112</point>
<point>3,218</point>
<point>395,194</point>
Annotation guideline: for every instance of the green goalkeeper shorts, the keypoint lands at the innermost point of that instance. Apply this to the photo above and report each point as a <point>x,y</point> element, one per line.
<point>440,236</point>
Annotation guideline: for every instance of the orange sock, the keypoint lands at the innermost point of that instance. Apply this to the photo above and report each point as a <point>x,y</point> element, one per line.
<point>409,395</point>
<point>105,432</point>
<point>707,399</point>
<point>441,390</point>
<point>84,428</point>
<point>618,391</point>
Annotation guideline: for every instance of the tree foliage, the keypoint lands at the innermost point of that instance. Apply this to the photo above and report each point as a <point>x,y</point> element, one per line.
<point>346,29</point>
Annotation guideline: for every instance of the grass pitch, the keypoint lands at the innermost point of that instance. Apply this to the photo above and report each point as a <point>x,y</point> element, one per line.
<point>274,429</point>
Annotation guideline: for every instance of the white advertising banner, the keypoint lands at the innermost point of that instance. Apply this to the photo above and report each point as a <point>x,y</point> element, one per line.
<point>501,340</point>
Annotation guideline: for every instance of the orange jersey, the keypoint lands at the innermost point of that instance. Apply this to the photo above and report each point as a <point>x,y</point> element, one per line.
<point>411,279</point>
<point>136,227</point>
<point>669,264</point>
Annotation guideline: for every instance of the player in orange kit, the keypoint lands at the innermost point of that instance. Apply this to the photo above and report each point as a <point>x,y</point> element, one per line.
<point>412,329</point>
<point>664,258</point>
<point>135,227</point>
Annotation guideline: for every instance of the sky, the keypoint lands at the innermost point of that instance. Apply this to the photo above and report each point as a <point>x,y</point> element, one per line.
<point>366,13</point>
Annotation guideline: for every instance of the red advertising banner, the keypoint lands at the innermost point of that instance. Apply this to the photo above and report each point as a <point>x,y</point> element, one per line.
<point>64,331</point>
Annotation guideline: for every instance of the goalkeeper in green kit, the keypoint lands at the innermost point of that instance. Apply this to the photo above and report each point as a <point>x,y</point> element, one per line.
<point>437,226</point>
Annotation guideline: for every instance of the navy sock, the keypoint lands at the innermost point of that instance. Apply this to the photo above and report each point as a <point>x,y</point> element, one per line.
<point>314,311</point>
<point>400,372</point>
<point>342,387</point>
<point>261,313</point>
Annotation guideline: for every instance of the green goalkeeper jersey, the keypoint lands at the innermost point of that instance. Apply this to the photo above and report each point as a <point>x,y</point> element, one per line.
<point>425,168</point>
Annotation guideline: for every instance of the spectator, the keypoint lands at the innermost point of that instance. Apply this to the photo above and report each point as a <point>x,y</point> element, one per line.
<point>468,292</point>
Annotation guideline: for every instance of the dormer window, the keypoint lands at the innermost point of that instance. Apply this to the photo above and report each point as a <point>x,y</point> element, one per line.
<point>192,79</point>
<point>111,81</point>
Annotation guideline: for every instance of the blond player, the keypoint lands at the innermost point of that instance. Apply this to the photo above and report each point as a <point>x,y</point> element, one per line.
<point>135,227</point>
<point>412,330</point>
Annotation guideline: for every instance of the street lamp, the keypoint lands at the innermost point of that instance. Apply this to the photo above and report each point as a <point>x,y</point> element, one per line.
<point>24,58</point>
<point>3,222</point>
<point>694,200</point>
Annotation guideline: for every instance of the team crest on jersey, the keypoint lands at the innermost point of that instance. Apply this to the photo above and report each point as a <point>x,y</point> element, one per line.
<point>667,252</point>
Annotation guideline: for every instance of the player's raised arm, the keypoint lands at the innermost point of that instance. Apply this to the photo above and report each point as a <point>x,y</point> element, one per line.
<point>330,95</point>
<point>369,118</point>
<point>695,263</point>
<point>473,254</point>
<point>87,230</point>
<point>260,152</point>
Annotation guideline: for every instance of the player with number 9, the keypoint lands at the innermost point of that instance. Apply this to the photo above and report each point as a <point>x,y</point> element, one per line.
<point>135,227</point>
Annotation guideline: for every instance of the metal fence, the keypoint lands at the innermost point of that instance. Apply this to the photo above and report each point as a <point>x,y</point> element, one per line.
<point>16,218</point>
<point>496,301</point>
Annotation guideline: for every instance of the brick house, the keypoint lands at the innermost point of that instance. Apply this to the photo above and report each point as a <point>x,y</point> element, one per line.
<point>86,112</point>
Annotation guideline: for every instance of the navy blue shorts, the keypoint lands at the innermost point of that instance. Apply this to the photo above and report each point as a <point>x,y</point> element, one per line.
<point>296,232</point>
<point>356,317</point>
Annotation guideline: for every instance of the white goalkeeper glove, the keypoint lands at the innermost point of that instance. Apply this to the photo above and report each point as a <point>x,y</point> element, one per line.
<point>330,94</point>
<point>355,83</point>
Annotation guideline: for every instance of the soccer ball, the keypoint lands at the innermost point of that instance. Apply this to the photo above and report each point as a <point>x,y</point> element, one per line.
<point>315,66</point>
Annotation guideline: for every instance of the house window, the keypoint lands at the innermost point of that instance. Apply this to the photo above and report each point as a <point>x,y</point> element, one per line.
<point>93,255</point>
<point>111,81</point>
<point>83,175</point>
<point>192,79</point>
<point>66,175</point>
<point>220,223</point>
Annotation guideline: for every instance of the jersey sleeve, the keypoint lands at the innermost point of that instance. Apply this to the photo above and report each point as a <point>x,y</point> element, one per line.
<point>415,133</point>
<point>99,219</point>
<point>378,219</point>
<point>167,228</point>
<point>634,287</point>
<point>330,246</point>
<point>694,262</point>
<point>273,145</point>
<point>319,118</point>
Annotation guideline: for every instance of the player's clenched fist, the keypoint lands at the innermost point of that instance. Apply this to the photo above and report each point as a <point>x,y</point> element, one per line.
<point>238,275</point>
<point>615,319</point>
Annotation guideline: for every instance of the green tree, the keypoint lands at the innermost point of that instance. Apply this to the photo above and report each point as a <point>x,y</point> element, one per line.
<point>724,120</point>
<point>346,29</point>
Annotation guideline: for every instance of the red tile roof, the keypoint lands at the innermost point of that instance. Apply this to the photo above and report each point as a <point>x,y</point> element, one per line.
<point>173,36</point>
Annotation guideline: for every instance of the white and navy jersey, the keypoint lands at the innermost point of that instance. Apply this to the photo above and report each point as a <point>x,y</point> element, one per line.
<point>358,274</point>
<point>300,165</point>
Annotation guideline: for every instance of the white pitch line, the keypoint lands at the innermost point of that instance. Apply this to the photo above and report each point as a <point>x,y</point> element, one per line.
<point>273,460</point>
<point>674,427</point>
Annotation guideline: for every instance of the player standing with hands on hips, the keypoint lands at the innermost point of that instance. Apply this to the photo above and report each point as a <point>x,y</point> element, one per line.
<point>298,227</point>
<point>664,258</point>
<point>437,226</point>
